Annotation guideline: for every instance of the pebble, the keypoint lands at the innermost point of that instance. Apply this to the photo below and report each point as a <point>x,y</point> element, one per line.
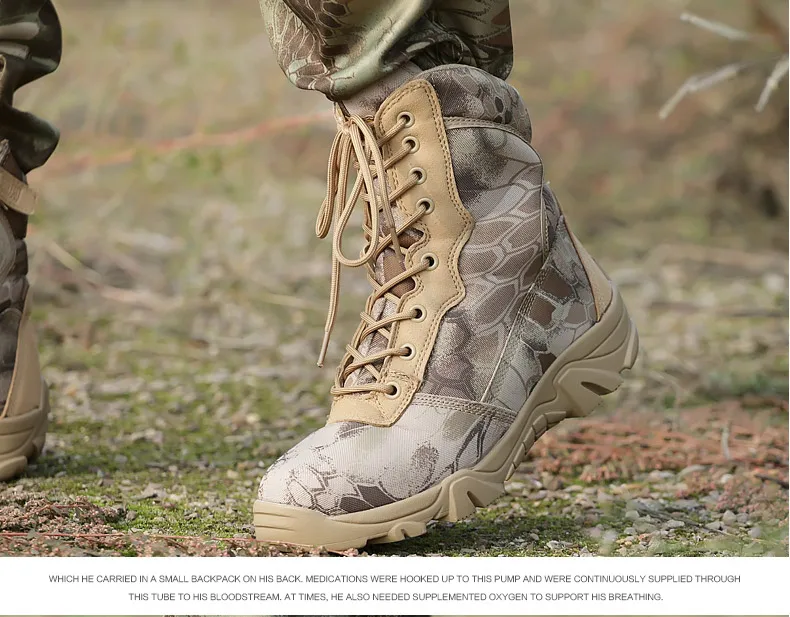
<point>553,545</point>
<point>725,478</point>
<point>131,515</point>
<point>657,474</point>
<point>535,537</point>
<point>629,531</point>
<point>690,469</point>
<point>643,527</point>
<point>713,525</point>
<point>755,532</point>
<point>605,497</point>
<point>632,515</point>
<point>553,483</point>
<point>729,518</point>
<point>686,504</point>
<point>674,524</point>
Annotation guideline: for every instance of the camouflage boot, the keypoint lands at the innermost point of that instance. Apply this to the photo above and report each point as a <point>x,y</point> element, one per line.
<point>23,420</point>
<point>488,323</point>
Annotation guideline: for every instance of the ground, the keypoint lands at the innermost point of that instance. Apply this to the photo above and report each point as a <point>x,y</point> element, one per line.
<point>180,293</point>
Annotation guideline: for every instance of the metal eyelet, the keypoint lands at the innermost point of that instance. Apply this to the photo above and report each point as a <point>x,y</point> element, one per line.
<point>412,143</point>
<point>412,352</point>
<point>421,313</point>
<point>395,390</point>
<point>420,173</point>
<point>432,261</point>
<point>427,204</point>
<point>407,118</point>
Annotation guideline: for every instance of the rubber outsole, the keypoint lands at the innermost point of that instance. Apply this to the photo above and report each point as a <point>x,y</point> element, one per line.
<point>22,438</point>
<point>571,388</point>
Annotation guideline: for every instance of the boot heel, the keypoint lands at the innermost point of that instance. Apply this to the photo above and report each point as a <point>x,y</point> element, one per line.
<point>22,438</point>
<point>604,352</point>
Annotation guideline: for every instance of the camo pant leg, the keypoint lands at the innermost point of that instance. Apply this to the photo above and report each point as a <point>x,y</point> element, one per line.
<point>30,46</point>
<point>341,46</point>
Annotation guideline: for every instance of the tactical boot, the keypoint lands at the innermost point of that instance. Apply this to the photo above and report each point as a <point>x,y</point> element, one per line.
<point>23,394</point>
<point>487,325</point>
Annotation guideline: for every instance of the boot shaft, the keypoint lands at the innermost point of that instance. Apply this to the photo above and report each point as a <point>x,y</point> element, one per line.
<point>511,291</point>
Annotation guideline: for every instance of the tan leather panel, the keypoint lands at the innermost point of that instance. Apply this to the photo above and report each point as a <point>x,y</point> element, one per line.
<point>25,391</point>
<point>446,230</point>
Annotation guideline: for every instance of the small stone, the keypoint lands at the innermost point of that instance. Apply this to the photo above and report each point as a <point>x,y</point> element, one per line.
<point>514,487</point>
<point>674,524</point>
<point>729,518</point>
<point>553,545</point>
<point>553,483</point>
<point>690,469</point>
<point>604,497</point>
<point>629,531</point>
<point>755,532</point>
<point>535,537</point>
<point>609,536</point>
<point>686,504</point>
<point>538,495</point>
<point>643,527</point>
<point>658,474</point>
<point>725,478</point>
<point>632,515</point>
<point>131,515</point>
<point>713,525</point>
<point>743,517</point>
<point>575,488</point>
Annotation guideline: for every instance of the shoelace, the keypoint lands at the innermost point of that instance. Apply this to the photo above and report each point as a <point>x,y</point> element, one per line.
<point>357,145</point>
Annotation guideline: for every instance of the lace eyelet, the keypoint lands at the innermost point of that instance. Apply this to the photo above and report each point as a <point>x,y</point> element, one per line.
<point>420,173</point>
<point>395,390</point>
<point>431,260</point>
<point>412,143</point>
<point>421,313</point>
<point>407,118</point>
<point>427,204</point>
<point>412,352</point>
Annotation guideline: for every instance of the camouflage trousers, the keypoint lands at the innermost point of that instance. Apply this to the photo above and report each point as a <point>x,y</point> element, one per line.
<point>337,47</point>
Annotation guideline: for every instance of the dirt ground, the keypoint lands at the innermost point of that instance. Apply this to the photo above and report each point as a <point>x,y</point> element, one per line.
<point>180,292</point>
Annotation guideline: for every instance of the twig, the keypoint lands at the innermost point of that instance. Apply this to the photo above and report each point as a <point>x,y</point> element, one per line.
<point>780,70</point>
<point>725,442</point>
<point>698,83</point>
<point>717,27</point>
<point>783,483</point>
<point>188,142</point>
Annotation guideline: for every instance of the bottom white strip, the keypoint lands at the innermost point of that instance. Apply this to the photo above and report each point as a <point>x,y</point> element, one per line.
<point>395,586</point>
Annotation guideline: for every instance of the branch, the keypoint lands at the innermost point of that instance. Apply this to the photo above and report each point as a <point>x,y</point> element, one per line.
<point>780,70</point>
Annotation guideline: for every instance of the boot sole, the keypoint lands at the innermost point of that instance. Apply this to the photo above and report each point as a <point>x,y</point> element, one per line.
<point>571,388</point>
<point>22,438</point>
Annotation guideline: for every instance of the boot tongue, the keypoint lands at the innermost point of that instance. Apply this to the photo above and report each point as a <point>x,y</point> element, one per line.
<point>367,102</point>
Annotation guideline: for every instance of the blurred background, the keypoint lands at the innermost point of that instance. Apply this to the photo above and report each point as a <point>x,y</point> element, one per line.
<point>181,293</point>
